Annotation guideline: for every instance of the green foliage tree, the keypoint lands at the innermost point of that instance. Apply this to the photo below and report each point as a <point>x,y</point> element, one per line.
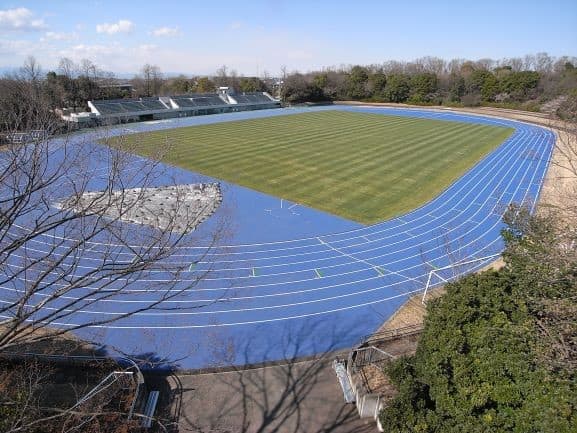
<point>519,84</point>
<point>297,89</point>
<point>397,88</point>
<point>483,83</point>
<point>497,352</point>
<point>251,84</point>
<point>321,80</point>
<point>356,83</point>
<point>204,85</point>
<point>475,367</point>
<point>456,87</point>
<point>179,85</point>
<point>423,86</point>
<point>377,84</point>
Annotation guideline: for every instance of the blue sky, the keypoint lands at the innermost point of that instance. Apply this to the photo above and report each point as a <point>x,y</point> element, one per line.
<point>251,37</point>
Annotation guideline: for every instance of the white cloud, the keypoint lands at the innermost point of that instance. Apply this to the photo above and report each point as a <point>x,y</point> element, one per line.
<point>147,47</point>
<point>122,26</point>
<point>56,36</point>
<point>15,47</point>
<point>236,25</point>
<point>20,19</point>
<point>83,51</point>
<point>166,31</point>
<point>115,56</point>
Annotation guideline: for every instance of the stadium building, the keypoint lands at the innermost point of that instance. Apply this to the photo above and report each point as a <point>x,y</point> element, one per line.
<point>112,111</point>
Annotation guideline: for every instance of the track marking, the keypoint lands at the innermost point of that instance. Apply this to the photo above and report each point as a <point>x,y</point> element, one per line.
<point>373,266</point>
<point>477,212</point>
<point>412,222</point>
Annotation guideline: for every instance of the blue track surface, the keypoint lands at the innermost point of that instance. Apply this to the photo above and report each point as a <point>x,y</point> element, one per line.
<point>293,281</point>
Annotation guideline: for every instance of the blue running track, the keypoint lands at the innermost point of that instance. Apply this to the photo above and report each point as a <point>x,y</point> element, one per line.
<point>293,281</point>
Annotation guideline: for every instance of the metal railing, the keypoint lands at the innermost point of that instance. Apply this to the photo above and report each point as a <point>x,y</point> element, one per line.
<point>391,334</point>
<point>435,272</point>
<point>364,356</point>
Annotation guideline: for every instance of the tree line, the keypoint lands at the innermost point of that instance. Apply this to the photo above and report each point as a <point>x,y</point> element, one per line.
<point>524,82</point>
<point>71,85</point>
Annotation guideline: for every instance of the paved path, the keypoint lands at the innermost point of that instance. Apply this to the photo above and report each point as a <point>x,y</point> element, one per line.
<point>296,398</point>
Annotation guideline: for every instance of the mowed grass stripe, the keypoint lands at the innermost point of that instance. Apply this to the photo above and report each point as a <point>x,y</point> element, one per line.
<point>364,167</point>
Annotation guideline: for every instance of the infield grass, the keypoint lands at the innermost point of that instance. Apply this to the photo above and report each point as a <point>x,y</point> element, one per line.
<point>363,167</point>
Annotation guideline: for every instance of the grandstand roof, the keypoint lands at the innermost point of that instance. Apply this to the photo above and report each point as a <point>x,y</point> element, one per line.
<point>120,106</point>
<point>126,107</point>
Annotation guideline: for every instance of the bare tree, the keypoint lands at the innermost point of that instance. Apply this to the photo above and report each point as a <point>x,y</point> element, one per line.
<point>67,68</point>
<point>49,225</point>
<point>152,79</point>
<point>31,70</point>
<point>221,77</point>
<point>563,187</point>
<point>89,69</point>
<point>543,63</point>
<point>19,390</point>
<point>43,394</point>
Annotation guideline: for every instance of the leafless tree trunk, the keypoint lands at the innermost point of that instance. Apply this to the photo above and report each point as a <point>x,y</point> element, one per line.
<point>152,79</point>
<point>56,262</point>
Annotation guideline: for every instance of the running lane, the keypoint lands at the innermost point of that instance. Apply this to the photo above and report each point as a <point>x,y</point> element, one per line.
<point>282,288</point>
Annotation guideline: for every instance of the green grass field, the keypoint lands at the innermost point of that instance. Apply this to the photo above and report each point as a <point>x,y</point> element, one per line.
<point>364,167</point>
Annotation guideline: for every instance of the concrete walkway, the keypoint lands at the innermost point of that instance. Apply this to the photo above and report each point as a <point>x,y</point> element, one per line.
<point>299,397</point>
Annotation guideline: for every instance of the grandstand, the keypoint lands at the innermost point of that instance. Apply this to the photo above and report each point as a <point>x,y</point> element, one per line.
<point>198,100</point>
<point>165,107</point>
<point>250,98</point>
<point>116,106</point>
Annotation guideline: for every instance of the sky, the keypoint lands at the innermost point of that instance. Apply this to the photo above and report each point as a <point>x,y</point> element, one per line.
<point>257,36</point>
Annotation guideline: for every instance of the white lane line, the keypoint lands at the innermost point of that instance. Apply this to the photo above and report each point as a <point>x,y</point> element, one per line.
<point>519,125</point>
<point>352,231</point>
<point>525,192</point>
<point>448,211</point>
<point>379,271</point>
<point>378,248</point>
<point>517,188</point>
<point>469,180</point>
